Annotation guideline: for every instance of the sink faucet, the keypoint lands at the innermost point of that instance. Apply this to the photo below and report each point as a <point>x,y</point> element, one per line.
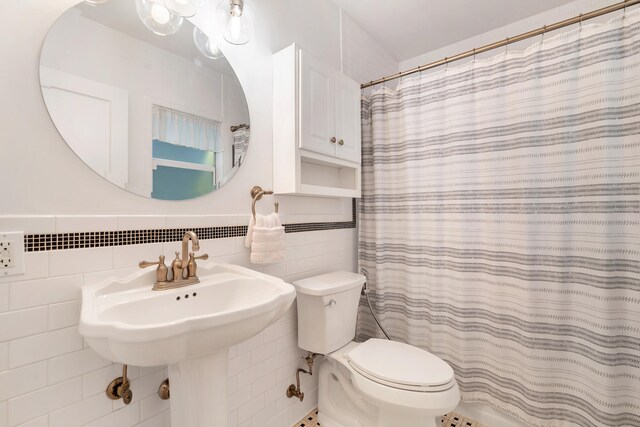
<point>182,262</point>
<point>195,244</point>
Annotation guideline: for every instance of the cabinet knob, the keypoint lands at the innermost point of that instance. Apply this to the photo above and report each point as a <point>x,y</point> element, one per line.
<point>341,142</point>
<point>333,140</point>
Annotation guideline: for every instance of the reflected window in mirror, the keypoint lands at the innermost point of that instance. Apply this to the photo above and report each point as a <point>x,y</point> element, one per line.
<point>186,149</point>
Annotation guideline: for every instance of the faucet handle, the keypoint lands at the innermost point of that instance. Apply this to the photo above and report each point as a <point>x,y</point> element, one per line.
<point>145,264</point>
<point>161,271</point>
<point>192,266</point>
<point>177,268</point>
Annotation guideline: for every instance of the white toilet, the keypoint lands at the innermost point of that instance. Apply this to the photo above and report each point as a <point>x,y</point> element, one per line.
<point>377,383</point>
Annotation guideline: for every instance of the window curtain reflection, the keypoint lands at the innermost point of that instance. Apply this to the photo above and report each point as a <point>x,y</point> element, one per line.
<point>188,130</point>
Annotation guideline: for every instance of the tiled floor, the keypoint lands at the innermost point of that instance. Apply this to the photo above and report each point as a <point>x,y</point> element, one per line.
<point>456,420</point>
<point>309,420</point>
<point>448,420</point>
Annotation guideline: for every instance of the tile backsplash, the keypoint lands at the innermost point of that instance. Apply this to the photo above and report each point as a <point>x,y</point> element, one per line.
<point>50,377</point>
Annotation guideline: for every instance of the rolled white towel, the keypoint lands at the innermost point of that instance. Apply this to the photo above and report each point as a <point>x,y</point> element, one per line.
<point>265,237</point>
<point>249,236</point>
<point>268,221</point>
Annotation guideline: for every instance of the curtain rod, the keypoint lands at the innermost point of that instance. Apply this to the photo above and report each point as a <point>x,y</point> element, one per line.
<point>244,125</point>
<point>507,41</point>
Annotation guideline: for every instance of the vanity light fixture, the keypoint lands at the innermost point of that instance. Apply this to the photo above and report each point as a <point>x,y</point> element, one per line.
<point>205,45</point>
<point>235,19</point>
<point>156,17</point>
<point>165,17</point>
<point>184,8</point>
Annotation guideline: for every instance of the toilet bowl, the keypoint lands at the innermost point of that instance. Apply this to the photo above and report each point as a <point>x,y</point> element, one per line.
<point>377,383</point>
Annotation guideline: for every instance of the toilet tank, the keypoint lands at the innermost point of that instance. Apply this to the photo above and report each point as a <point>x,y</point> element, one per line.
<point>327,310</point>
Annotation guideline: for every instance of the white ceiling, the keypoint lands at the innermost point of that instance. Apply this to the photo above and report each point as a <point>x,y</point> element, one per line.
<point>408,28</point>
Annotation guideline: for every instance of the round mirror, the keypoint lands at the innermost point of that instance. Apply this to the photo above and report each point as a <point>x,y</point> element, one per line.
<point>162,116</point>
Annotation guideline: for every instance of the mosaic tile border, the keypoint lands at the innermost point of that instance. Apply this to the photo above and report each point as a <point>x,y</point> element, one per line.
<point>98,239</point>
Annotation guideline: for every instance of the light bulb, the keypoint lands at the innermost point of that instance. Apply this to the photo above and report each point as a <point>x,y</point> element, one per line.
<point>236,9</point>
<point>205,45</point>
<point>160,14</point>
<point>235,19</point>
<point>156,17</point>
<point>234,29</point>
<point>184,8</point>
<point>213,50</point>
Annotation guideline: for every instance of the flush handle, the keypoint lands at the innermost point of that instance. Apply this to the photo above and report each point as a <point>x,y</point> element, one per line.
<point>331,303</point>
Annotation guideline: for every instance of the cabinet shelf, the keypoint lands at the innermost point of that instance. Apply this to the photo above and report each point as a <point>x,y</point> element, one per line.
<point>320,191</point>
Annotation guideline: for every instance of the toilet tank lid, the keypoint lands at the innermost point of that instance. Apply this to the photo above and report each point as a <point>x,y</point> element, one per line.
<point>330,283</point>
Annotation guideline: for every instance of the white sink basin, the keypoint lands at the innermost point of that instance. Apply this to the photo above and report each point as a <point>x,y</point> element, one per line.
<point>123,320</point>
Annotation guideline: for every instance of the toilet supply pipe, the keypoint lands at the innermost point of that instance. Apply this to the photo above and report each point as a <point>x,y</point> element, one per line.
<point>365,292</point>
<point>294,389</point>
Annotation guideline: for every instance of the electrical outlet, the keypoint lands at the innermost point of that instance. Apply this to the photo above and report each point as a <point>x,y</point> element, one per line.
<point>11,254</point>
<point>6,254</point>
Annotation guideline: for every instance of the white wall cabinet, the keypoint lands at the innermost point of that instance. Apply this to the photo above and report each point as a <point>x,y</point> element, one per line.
<point>316,127</point>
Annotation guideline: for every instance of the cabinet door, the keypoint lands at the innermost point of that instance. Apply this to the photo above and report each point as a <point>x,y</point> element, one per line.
<point>317,97</point>
<point>348,130</point>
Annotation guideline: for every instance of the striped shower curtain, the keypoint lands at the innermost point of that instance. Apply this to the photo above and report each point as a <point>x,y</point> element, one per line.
<point>500,224</point>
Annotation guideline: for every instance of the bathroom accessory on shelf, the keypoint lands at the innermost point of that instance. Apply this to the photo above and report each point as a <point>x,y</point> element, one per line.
<point>178,266</point>
<point>265,234</point>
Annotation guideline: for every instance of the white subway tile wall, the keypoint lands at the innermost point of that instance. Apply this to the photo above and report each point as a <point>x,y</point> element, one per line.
<point>49,377</point>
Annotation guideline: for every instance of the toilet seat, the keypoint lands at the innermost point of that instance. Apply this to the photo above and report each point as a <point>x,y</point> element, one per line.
<point>400,366</point>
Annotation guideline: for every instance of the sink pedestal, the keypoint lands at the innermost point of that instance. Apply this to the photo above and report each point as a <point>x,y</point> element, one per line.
<point>199,391</point>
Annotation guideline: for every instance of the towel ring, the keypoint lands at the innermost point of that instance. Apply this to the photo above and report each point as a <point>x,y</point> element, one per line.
<point>256,194</point>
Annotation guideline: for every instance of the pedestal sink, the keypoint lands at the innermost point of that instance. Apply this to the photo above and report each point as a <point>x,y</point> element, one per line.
<point>189,328</point>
